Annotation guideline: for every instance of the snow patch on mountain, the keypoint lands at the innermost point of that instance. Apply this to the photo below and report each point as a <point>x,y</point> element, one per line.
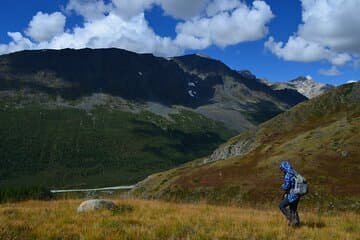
<point>192,93</point>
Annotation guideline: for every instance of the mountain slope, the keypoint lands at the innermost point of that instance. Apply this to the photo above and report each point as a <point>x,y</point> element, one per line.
<point>97,141</point>
<point>320,137</point>
<point>238,100</point>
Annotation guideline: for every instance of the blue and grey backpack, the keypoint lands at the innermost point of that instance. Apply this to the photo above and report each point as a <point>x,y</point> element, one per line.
<point>301,186</point>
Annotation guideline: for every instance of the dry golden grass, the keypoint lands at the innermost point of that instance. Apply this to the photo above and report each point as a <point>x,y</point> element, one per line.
<point>161,220</point>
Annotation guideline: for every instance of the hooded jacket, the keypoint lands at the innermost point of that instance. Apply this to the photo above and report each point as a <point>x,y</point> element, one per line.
<point>289,181</point>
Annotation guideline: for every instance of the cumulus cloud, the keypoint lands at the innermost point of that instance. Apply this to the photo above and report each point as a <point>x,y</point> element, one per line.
<point>328,32</point>
<point>299,49</point>
<point>113,31</point>
<point>122,24</point>
<point>18,43</point>
<point>227,23</point>
<point>93,9</point>
<point>44,27</point>
<point>332,23</point>
<point>219,6</point>
<point>183,9</point>
<point>128,9</point>
<point>296,49</point>
<point>89,9</point>
<point>333,71</point>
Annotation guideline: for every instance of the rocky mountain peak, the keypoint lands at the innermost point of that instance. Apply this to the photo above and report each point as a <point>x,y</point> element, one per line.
<point>310,88</point>
<point>303,79</point>
<point>304,85</point>
<point>247,74</point>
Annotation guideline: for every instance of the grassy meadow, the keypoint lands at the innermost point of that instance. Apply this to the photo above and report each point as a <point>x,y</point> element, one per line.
<point>140,219</point>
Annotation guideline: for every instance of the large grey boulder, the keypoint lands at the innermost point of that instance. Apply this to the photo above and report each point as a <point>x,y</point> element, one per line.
<point>96,204</point>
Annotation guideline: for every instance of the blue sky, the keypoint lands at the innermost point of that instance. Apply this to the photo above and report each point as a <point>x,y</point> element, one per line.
<point>277,40</point>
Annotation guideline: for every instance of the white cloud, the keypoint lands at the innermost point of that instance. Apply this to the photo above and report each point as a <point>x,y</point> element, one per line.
<point>93,9</point>
<point>175,8</point>
<point>18,43</point>
<point>183,9</point>
<point>296,49</point>
<point>339,58</point>
<point>89,9</point>
<point>333,71</point>
<point>130,8</point>
<point>229,26</point>
<point>329,32</point>
<point>44,27</point>
<point>122,24</point>
<point>219,6</point>
<point>332,23</point>
<point>299,49</point>
<point>113,31</point>
<point>352,81</point>
<point>110,31</point>
<point>357,63</point>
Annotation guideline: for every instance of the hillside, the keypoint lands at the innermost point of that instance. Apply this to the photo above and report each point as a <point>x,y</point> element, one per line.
<point>96,141</point>
<point>320,137</point>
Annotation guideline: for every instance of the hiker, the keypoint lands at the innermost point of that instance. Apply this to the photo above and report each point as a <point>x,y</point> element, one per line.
<point>289,203</point>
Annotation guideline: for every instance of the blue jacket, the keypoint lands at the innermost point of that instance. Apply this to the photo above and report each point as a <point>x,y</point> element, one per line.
<point>289,181</point>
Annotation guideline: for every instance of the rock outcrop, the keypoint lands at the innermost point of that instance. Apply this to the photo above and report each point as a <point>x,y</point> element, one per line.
<point>239,148</point>
<point>96,204</point>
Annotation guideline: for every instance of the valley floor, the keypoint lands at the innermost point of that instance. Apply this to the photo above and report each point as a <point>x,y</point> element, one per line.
<point>139,219</point>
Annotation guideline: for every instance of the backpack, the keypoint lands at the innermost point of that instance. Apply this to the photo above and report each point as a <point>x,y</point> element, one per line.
<point>301,186</point>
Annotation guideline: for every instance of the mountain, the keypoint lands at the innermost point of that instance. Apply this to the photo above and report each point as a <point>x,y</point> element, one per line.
<point>304,85</point>
<point>76,118</point>
<point>320,137</point>
<point>203,84</point>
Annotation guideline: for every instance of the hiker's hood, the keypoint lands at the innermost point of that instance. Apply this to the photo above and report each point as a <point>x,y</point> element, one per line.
<point>286,167</point>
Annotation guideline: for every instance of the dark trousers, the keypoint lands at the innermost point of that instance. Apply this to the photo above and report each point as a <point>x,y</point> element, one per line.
<point>290,211</point>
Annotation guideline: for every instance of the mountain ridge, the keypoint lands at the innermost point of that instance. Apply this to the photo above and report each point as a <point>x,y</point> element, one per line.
<point>304,85</point>
<point>213,90</point>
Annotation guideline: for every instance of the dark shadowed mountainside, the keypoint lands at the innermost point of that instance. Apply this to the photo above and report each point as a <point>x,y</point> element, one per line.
<point>206,85</point>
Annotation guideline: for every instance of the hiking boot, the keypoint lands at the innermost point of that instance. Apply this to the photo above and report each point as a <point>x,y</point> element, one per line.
<point>295,221</point>
<point>294,224</point>
<point>288,215</point>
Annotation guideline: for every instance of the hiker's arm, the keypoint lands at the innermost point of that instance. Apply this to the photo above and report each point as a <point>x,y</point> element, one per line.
<point>287,183</point>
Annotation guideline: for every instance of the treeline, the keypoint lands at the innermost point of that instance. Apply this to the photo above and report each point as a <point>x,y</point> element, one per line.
<point>24,193</point>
